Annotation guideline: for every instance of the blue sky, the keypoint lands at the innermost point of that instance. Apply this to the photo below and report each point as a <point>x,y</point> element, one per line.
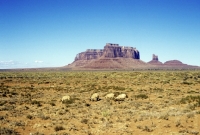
<point>49,33</point>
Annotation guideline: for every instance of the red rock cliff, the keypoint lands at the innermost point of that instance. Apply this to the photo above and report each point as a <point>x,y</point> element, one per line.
<point>109,51</point>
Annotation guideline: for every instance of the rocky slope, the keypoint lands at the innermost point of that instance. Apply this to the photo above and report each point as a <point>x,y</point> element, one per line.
<point>174,63</point>
<point>108,63</point>
<point>178,64</point>
<point>114,56</point>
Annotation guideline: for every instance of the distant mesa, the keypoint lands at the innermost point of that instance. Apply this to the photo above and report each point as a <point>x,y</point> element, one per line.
<point>169,64</point>
<point>114,56</point>
<point>110,51</point>
<point>177,63</point>
<point>155,60</point>
<point>174,63</point>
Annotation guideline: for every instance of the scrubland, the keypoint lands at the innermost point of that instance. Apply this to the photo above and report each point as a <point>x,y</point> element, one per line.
<point>158,103</point>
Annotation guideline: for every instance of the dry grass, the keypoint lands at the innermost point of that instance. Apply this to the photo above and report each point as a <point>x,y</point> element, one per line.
<point>159,102</point>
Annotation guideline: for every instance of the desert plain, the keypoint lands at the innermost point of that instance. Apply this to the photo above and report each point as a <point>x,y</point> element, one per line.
<point>158,103</point>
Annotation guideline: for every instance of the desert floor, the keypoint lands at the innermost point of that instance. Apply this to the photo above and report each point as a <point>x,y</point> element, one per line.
<point>158,103</point>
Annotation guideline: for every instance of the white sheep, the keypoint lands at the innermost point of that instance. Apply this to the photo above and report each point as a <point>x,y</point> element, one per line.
<point>94,97</point>
<point>121,97</point>
<point>110,96</point>
<point>67,97</point>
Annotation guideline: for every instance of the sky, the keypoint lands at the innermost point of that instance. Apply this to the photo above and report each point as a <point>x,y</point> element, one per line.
<point>49,33</point>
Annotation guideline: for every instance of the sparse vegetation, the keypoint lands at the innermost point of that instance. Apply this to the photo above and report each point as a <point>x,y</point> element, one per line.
<point>7,131</point>
<point>29,116</point>
<point>58,128</point>
<point>142,96</point>
<point>157,102</point>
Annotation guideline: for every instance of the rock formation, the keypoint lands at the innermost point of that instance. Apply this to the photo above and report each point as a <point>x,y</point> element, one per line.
<point>111,57</point>
<point>155,60</point>
<point>109,51</point>
<point>114,56</point>
<point>174,63</point>
<point>89,54</point>
<point>155,57</point>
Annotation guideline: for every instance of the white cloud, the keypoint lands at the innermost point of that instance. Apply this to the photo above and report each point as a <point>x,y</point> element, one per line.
<point>10,62</point>
<point>38,61</point>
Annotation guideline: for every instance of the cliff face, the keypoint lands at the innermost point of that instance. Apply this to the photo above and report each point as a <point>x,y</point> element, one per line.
<point>109,51</point>
<point>155,60</point>
<point>89,54</point>
<point>155,57</point>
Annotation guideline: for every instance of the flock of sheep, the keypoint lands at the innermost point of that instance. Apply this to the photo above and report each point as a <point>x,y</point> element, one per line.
<point>95,97</point>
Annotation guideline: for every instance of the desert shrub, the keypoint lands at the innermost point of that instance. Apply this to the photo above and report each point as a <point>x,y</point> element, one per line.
<point>192,91</point>
<point>186,82</point>
<point>158,90</point>
<point>190,99</point>
<point>4,94</point>
<point>63,111</point>
<point>19,123</point>
<point>120,88</point>
<point>178,123</point>
<point>7,108</point>
<point>13,93</point>
<point>52,103</point>
<point>2,117</point>
<point>164,116</point>
<point>139,127</point>
<point>58,128</point>
<point>146,128</point>
<point>87,104</point>
<point>2,103</point>
<point>183,101</point>
<point>45,117</point>
<point>71,101</point>
<point>38,103</point>
<point>37,133</point>
<point>29,116</point>
<point>183,131</point>
<point>142,96</point>
<point>190,115</point>
<point>114,87</point>
<point>6,131</point>
<point>12,102</point>
<point>85,121</point>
